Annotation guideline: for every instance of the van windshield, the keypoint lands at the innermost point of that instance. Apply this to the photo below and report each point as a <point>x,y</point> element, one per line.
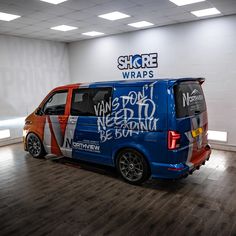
<point>189,99</point>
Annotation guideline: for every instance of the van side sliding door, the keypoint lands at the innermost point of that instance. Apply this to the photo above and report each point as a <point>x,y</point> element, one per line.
<point>88,106</point>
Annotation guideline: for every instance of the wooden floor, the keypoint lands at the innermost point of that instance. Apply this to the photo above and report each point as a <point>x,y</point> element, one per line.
<point>46,197</point>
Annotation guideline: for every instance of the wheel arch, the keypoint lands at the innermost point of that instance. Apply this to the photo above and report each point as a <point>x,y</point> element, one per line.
<point>137,148</point>
<point>35,133</point>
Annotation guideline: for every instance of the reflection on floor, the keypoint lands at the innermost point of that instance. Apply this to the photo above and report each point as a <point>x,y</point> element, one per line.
<point>41,196</point>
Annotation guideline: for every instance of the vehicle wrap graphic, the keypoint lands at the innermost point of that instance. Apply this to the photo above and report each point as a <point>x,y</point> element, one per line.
<point>137,116</point>
<point>87,145</point>
<point>59,131</point>
<point>193,97</point>
<point>196,143</point>
<point>58,135</point>
<point>69,135</point>
<point>131,113</point>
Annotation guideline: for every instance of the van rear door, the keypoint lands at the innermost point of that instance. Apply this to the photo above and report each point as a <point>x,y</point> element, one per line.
<point>191,121</point>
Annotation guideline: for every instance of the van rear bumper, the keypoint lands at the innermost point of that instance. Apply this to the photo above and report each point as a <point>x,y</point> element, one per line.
<point>180,170</point>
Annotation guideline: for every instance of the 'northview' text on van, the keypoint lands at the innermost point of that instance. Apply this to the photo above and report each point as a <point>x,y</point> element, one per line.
<point>149,128</point>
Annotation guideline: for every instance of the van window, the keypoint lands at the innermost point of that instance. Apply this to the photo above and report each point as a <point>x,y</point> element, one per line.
<point>87,102</point>
<point>189,99</point>
<point>56,104</point>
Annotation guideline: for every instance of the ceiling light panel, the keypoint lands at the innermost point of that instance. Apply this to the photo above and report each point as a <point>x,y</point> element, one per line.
<point>8,17</point>
<point>64,28</point>
<point>141,24</point>
<point>206,12</point>
<point>116,15</point>
<point>185,2</point>
<point>54,1</point>
<point>93,33</point>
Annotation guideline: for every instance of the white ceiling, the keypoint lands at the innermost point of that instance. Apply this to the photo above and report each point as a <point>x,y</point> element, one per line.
<point>38,17</point>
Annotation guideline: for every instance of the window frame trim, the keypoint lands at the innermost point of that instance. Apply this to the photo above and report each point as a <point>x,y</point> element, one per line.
<point>51,95</point>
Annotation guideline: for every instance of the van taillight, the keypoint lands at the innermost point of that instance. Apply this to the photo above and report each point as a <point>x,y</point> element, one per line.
<point>173,140</point>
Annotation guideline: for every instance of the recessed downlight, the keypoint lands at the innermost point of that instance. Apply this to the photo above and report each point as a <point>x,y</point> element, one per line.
<point>206,12</point>
<point>93,33</point>
<point>54,1</point>
<point>8,17</point>
<point>141,24</point>
<point>115,15</point>
<point>64,28</point>
<point>185,2</point>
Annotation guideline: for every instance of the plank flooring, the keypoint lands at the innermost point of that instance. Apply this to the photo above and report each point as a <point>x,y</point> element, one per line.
<point>46,197</point>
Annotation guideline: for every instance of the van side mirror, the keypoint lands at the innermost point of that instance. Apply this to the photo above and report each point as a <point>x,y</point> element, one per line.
<point>39,111</point>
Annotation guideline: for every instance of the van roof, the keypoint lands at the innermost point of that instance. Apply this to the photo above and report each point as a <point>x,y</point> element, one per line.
<point>130,82</point>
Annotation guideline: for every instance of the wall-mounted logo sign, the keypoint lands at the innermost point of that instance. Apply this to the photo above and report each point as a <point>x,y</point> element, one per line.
<point>138,65</point>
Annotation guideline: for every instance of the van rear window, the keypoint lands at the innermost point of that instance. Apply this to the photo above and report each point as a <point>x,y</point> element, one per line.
<point>189,99</point>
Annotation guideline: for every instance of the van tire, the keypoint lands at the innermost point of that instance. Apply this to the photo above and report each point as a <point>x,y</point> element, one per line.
<point>132,166</point>
<point>35,146</point>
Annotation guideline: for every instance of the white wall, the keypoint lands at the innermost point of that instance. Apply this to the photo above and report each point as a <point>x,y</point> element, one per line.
<point>29,69</point>
<point>204,48</point>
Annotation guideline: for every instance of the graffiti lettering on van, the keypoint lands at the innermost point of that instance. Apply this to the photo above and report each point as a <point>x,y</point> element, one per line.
<point>193,97</point>
<point>103,108</point>
<point>132,113</point>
